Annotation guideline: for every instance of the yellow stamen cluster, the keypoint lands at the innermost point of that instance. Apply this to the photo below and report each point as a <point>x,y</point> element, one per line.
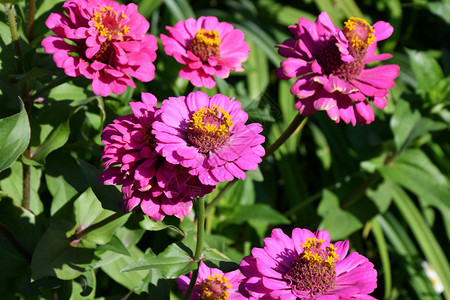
<point>198,121</point>
<point>207,37</point>
<point>352,27</point>
<point>107,23</point>
<point>218,281</point>
<point>316,258</point>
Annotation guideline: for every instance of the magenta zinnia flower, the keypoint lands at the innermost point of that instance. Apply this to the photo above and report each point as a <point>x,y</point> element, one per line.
<point>146,177</point>
<point>306,266</point>
<point>213,284</point>
<point>330,65</point>
<point>103,41</point>
<point>208,136</point>
<point>206,47</point>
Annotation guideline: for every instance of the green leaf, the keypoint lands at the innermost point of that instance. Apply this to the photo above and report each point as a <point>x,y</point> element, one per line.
<point>150,225</point>
<point>12,186</point>
<point>180,9</point>
<point>88,211</point>
<point>14,137</point>
<point>129,280</point>
<point>424,236</point>
<point>441,9</point>
<point>427,70</point>
<point>55,256</point>
<point>215,255</point>
<point>404,247</point>
<point>339,223</point>
<point>258,212</point>
<point>109,196</point>
<point>403,122</point>
<point>56,139</point>
<point>257,68</point>
<point>414,171</point>
<point>115,245</point>
<point>147,7</point>
<point>384,257</point>
<point>172,262</point>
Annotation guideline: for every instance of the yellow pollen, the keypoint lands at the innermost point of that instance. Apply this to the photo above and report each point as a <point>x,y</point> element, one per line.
<point>207,37</point>
<point>198,122</point>
<point>217,279</point>
<point>109,23</point>
<point>359,33</point>
<point>314,243</point>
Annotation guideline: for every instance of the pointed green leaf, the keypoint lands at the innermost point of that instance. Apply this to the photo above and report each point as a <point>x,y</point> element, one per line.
<point>14,137</point>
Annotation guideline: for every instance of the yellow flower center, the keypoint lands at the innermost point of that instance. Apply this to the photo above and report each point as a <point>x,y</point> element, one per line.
<point>314,269</point>
<point>214,287</point>
<point>210,128</point>
<point>206,44</point>
<point>359,33</point>
<point>109,23</point>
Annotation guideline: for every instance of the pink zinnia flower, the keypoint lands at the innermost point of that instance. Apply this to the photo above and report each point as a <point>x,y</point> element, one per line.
<point>208,136</point>
<point>147,179</point>
<point>213,284</point>
<point>330,65</point>
<point>306,266</point>
<point>206,47</point>
<point>107,43</point>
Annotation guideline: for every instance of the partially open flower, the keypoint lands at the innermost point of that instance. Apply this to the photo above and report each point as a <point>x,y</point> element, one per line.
<point>330,67</point>
<point>103,41</point>
<point>306,266</point>
<point>147,179</point>
<point>213,284</point>
<point>208,136</point>
<point>206,47</point>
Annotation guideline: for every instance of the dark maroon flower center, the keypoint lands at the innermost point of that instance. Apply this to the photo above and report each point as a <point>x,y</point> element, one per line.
<point>313,270</point>
<point>210,128</point>
<point>206,44</point>
<point>214,287</point>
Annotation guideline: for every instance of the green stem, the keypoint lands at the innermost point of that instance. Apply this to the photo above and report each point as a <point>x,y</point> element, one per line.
<point>55,83</point>
<point>298,122</point>
<point>296,125</point>
<point>355,196</point>
<point>189,88</point>
<point>30,19</point>
<point>24,87</point>
<point>13,28</point>
<point>199,247</point>
<point>82,233</point>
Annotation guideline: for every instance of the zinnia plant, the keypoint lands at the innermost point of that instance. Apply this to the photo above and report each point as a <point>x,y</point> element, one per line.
<point>330,67</point>
<point>147,179</point>
<point>306,266</point>
<point>212,283</point>
<point>206,47</point>
<point>103,41</point>
<point>208,136</point>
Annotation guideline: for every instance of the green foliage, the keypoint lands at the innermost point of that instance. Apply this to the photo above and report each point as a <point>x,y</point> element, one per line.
<point>385,187</point>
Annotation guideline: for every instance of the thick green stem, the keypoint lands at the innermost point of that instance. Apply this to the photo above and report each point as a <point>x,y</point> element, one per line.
<point>82,233</point>
<point>298,122</point>
<point>13,28</point>
<point>30,19</point>
<point>24,87</point>
<point>199,247</point>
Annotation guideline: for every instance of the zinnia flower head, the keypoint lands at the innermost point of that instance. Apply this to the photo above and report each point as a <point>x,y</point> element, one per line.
<point>208,136</point>
<point>330,67</point>
<point>206,47</point>
<point>213,284</point>
<point>306,266</point>
<point>147,179</point>
<point>103,41</point>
